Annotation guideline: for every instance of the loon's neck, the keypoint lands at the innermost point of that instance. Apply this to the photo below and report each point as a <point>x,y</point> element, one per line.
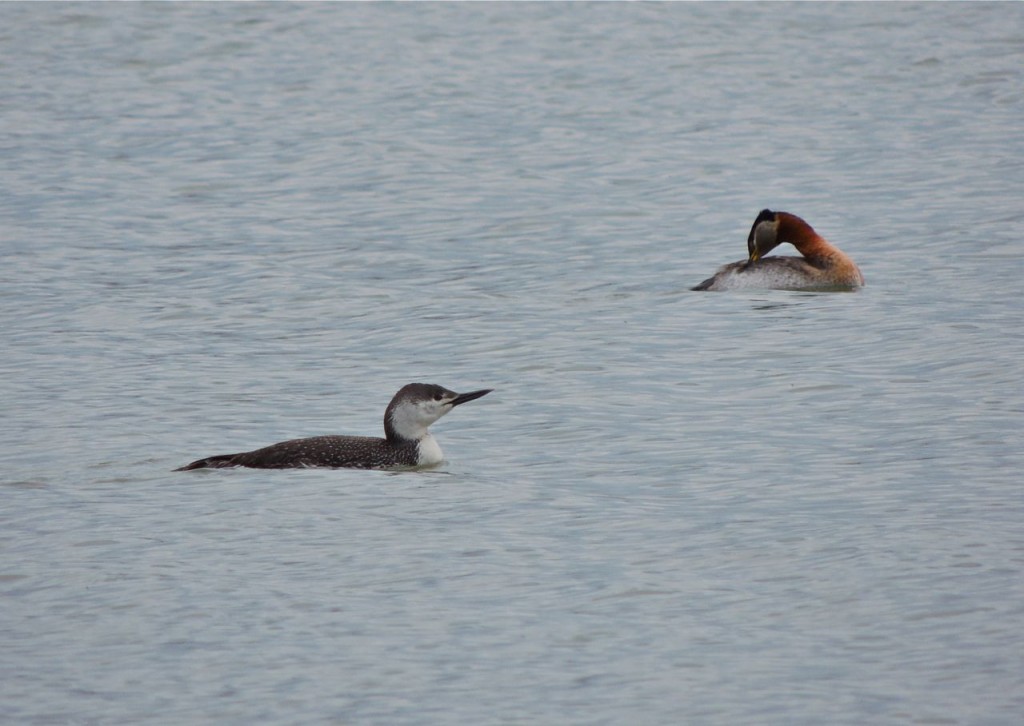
<point>429,451</point>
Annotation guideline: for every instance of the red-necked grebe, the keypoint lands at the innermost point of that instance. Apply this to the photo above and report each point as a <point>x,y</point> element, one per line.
<point>822,267</point>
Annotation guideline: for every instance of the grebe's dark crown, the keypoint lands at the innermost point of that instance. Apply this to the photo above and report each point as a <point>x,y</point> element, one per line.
<point>766,215</point>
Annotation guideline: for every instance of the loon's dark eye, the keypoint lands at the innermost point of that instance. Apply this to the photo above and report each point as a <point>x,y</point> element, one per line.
<point>438,396</point>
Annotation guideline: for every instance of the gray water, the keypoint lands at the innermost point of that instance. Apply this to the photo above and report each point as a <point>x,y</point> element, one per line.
<point>227,225</point>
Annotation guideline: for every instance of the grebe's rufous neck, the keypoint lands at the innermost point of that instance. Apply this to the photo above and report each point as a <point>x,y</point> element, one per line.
<point>407,441</point>
<point>822,267</point>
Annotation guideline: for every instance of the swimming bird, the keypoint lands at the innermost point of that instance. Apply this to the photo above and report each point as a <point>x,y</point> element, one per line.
<point>822,267</point>
<point>407,441</point>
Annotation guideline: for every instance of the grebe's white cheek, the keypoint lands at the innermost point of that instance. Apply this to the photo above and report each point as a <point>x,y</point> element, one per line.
<point>766,233</point>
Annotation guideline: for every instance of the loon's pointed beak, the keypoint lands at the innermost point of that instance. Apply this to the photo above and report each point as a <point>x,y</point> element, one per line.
<point>754,256</point>
<point>464,397</point>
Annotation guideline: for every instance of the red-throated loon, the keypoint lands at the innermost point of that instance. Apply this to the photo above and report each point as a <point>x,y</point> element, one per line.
<point>822,267</point>
<point>407,441</point>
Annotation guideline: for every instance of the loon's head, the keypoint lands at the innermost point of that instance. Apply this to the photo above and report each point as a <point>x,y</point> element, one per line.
<point>764,235</point>
<point>417,405</point>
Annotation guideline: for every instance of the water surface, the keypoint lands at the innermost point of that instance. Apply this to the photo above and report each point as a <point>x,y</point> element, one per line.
<point>228,225</point>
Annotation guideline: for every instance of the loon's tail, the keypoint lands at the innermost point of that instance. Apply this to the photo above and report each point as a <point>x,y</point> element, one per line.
<point>210,462</point>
